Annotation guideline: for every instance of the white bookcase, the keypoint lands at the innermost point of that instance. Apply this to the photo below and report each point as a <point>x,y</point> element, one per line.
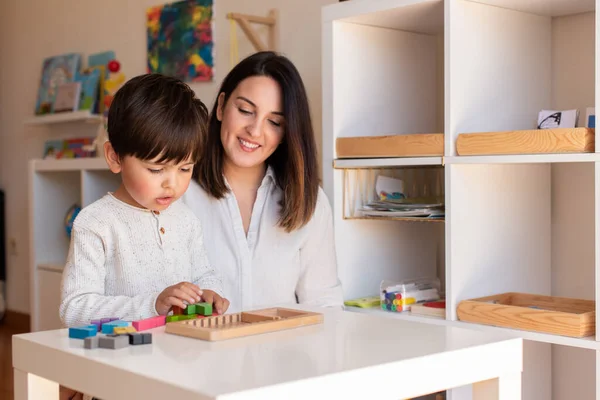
<point>522,223</point>
<point>54,186</point>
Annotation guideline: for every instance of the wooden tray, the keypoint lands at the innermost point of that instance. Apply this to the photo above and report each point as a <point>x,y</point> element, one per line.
<point>243,324</point>
<point>557,315</point>
<point>411,145</point>
<point>534,141</point>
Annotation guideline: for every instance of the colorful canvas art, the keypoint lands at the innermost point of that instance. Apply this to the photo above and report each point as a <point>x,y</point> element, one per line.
<point>56,70</point>
<point>180,40</point>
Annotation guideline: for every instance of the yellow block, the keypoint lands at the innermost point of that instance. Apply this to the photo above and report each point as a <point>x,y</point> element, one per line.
<point>120,330</point>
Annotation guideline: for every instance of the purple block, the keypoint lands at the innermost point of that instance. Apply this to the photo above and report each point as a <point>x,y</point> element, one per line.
<point>105,320</point>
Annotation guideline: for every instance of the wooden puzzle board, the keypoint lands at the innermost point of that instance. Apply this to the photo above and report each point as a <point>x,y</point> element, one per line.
<point>230,326</point>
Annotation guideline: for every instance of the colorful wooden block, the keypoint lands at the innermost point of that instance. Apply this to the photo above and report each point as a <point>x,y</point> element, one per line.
<point>149,323</point>
<point>204,308</point>
<point>113,342</point>
<point>135,339</point>
<point>82,332</point>
<point>175,318</point>
<point>177,310</point>
<point>90,342</point>
<point>146,338</point>
<point>121,330</point>
<point>108,327</point>
<point>190,309</point>
<point>98,324</point>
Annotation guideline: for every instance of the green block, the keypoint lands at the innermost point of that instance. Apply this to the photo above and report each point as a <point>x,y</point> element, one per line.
<point>204,309</point>
<point>190,309</point>
<point>184,317</point>
<point>172,318</point>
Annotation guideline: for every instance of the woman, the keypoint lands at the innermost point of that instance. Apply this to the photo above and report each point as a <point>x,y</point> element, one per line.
<point>267,224</point>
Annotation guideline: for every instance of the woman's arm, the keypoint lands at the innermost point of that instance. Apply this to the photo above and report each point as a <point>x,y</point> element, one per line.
<point>319,283</point>
<point>83,291</point>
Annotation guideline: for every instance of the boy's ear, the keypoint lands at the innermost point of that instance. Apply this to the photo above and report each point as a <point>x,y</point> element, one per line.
<point>220,105</point>
<point>112,159</point>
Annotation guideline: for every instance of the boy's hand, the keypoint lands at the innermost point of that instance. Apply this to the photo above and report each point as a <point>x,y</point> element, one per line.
<point>176,295</point>
<point>221,304</point>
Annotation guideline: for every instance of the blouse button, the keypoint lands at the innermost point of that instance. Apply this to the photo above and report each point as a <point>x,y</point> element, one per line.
<point>162,230</point>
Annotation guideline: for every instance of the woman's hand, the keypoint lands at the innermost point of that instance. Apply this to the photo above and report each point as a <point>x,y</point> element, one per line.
<point>176,295</point>
<point>220,304</point>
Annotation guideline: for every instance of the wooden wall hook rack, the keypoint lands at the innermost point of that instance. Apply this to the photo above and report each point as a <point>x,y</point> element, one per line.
<point>271,21</point>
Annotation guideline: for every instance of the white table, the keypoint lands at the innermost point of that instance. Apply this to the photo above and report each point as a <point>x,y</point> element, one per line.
<point>349,356</point>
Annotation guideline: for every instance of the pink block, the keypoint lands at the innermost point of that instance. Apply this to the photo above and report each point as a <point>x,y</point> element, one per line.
<point>149,323</point>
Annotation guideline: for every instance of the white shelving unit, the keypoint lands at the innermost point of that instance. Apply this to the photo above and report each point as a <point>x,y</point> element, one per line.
<point>54,186</point>
<point>522,223</point>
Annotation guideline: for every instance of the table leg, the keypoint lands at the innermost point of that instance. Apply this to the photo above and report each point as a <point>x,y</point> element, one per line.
<point>506,387</point>
<point>32,387</point>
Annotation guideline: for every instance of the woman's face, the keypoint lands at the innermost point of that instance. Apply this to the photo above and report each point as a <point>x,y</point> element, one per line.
<point>252,124</point>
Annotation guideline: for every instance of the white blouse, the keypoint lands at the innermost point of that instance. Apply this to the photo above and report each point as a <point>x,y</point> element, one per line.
<point>268,266</point>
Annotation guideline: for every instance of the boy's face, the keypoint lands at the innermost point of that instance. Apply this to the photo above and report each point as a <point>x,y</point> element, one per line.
<point>151,185</point>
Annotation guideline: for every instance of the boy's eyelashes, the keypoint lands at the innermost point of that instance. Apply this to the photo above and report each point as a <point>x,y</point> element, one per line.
<point>159,170</point>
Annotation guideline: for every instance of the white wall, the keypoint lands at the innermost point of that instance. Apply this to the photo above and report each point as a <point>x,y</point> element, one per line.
<point>33,30</point>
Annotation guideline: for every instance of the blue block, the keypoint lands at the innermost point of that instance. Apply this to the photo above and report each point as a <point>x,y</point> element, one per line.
<point>108,327</point>
<point>82,332</point>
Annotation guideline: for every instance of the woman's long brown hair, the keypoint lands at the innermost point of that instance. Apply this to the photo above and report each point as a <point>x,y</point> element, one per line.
<point>295,159</point>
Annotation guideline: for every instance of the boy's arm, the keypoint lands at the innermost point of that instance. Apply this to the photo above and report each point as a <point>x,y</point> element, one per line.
<point>83,291</point>
<point>204,273</point>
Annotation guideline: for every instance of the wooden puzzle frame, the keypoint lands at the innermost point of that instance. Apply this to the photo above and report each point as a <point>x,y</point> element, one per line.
<point>230,326</point>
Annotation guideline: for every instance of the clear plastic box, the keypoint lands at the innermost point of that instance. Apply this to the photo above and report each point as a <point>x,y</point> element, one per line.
<point>397,296</point>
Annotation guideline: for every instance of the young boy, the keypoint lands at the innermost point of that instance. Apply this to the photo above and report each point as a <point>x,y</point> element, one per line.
<point>138,252</point>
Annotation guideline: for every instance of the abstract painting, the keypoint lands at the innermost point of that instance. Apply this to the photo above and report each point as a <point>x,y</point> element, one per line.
<point>180,40</point>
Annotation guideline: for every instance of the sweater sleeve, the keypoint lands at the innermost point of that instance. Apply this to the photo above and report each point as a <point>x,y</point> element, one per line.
<point>319,283</point>
<point>83,290</point>
<point>204,273</point>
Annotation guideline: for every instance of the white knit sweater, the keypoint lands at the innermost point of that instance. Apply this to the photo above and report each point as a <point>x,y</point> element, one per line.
<point>122,257</point>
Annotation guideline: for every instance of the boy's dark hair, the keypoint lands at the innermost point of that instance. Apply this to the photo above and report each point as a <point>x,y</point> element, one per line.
<point>295,159</point>
<point>154,115</point>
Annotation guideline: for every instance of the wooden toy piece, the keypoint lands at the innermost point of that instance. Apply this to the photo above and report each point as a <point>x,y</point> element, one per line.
<point>90,342</point>
<point>230,326</point>
<point>149,323</point>
<point>177,310</point>
<point>97,323</point>
<point>120,330</point>
<point>204,308</point>
<point>190,309</point>
<point>82,332</point>
<point>175,318</point>
<point>113,342</point>
<point>135,338</point>
<point>147,338</point>
<point>108,327</point>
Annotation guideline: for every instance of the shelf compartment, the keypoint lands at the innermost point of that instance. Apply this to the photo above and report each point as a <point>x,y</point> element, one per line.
<point>584,343</point>
<point>533,141</point>
<point>387,162</point>
<point>548,314</point>
<point>418,182</point>
<point>412,145</point>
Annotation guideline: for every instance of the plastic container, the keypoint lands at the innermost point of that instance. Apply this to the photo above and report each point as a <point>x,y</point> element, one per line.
<point>397,296</point>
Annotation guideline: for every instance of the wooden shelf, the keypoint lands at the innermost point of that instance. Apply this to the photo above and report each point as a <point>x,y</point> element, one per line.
<point>531,141</point>
<point>524,158</point>
<point>548,8</point>
<point>406,219</point>
<point>70,164</point>
<point>387,162</point>
<point>408,145</point>
<point>583,343</point>
<point>75,116</point>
